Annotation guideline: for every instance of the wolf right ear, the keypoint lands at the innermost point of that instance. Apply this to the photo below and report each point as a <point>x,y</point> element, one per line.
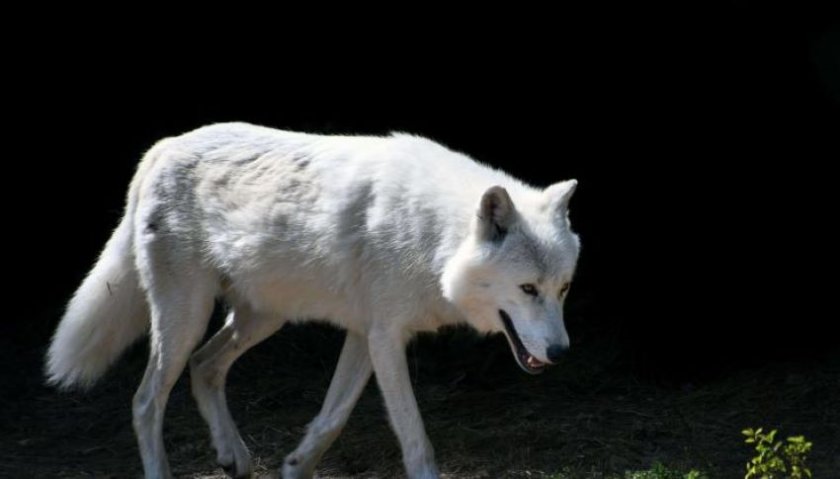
<point>496,214</point>
<point>558,196</point>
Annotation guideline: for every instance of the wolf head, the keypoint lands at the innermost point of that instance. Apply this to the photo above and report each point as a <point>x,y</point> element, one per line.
<point>512,272</point>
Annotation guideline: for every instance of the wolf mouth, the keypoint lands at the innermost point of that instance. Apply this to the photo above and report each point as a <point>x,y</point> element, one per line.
<point>526,360</point>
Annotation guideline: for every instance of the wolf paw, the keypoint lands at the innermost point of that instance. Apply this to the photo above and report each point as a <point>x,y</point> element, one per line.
<point>293,468</point>
<point>238,466</point>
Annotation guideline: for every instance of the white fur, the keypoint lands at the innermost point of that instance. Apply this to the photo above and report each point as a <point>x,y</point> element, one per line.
<point>381,236</point>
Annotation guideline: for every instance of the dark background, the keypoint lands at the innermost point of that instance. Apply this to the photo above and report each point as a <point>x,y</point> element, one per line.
<point>704,144</point>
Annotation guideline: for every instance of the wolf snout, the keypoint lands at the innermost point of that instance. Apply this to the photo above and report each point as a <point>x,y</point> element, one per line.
<point>555,352</point>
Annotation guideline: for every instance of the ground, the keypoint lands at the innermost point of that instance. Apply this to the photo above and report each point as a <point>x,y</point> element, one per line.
<point>584,418</point>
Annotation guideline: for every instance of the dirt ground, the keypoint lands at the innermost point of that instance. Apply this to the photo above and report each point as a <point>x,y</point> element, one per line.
<point>485,418</point>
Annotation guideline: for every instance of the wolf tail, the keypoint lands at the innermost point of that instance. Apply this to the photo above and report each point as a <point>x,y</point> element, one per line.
<point>108,312</point>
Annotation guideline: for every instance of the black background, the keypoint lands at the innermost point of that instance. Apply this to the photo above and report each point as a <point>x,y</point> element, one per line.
<point>704,143</point>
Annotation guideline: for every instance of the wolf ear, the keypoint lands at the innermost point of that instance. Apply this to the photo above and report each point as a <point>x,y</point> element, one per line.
<point>558,196</point>
<point>496,214</point>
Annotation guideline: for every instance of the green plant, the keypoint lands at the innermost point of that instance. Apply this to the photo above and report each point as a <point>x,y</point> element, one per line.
<point>777,459</point>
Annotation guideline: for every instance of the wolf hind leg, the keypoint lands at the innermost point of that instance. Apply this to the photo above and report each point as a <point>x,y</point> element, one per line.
<point>181,304</point>
<point>209,367</point>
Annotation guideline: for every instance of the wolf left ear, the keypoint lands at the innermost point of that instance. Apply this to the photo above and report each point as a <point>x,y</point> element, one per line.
<point>496,214</point>
<point>559,195</point>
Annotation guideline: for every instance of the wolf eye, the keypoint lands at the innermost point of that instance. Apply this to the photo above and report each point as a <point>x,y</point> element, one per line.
<point>565,288</point>
<point>529,289</point>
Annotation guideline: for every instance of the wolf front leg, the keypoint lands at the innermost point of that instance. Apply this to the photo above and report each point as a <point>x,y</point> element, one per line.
<point>348,382</point>
<point>387,353</point>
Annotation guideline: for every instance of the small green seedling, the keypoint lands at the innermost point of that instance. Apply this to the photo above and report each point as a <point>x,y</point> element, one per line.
<point>777,459</point>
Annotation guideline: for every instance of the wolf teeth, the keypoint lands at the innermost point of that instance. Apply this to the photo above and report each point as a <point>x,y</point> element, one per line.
<point>534,362</point>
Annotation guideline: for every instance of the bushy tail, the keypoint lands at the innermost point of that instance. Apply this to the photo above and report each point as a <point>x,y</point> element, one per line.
<point>107,313</point>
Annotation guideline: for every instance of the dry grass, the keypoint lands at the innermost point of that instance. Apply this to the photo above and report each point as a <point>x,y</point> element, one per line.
<point>486,419</point>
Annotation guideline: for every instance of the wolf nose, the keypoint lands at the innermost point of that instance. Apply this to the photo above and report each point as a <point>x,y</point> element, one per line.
<point>555,352</point>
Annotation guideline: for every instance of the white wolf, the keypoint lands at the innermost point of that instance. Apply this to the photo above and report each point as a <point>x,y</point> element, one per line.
<point>383,236</point>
